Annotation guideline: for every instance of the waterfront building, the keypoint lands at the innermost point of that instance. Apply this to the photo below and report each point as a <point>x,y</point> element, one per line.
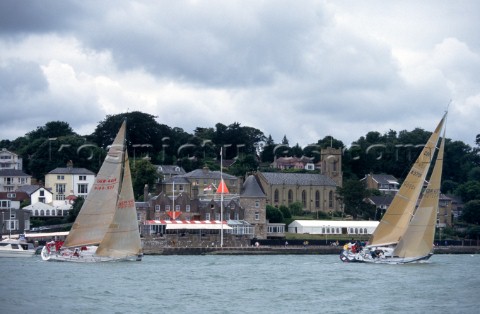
<point>69,181</point>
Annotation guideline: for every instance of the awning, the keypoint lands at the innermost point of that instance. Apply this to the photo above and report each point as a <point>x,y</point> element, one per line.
<point>190,224</point>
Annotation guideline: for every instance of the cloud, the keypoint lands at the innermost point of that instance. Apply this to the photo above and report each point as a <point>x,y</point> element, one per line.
<point>305,70</point>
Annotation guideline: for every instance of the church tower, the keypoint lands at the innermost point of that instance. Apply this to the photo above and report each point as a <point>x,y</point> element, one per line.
<point>331,164</point>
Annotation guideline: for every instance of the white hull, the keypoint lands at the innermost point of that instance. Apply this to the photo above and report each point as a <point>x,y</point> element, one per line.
<point>15,253</point>
<point>366,257</point>
<point>16,248</point>
<point>81,256</point>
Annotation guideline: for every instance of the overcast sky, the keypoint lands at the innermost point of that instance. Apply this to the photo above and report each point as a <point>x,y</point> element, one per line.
<point>304,69</point>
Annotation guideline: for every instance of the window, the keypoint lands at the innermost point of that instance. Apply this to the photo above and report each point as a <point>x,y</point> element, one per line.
<point>257,204</point>
<point>157,208</point>
<point>257,216</point>
<point>304,198</point>
<point>317,199</point>
<point>82,178</point>
<point>47,212</point>
<point>41,199</point>
<point>330,199</point>
<point>60,197</point>
<point>180,187</point>
<point>60,177</point>
<point>4,204</point>
<point>217,216</point>
<point>11,195</point>
<point>12,224</point>
<point>167,207</point>
<point>187,208</point>
<point>177,208</point>
<point>60,188</point>
<point>207,216</point>
<point>42,193</point>
<point>82,188</point>
<point>275,196</point>
<point>290,197</point>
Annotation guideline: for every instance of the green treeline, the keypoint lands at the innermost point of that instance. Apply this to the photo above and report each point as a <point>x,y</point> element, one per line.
<point>149,142</point>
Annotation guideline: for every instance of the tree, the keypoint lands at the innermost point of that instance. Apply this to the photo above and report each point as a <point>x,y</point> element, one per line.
<point>469,191</point>
<point>274,215</point>
<point>471,212</point>
<point>144,134</point>
<point>353,194</point>
<point>51,130</point>
<point>285,211</point>
<point>72,214</point>
<point>296,209</point>
<point>143,172</point>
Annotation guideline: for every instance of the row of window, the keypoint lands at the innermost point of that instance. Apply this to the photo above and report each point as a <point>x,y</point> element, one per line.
<point>80,178</point>
<point>276,198</point>
<point>48,212</point>
<point>11,180</point>
<point>168,208</point>
<point>15,225</point>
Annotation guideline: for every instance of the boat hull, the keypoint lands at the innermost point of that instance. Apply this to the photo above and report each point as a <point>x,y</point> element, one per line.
<point>15,248</point>
<point>87,255</point>
<point>365,257</point>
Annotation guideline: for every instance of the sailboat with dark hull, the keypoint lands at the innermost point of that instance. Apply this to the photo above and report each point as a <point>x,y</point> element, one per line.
<point>406,232</point>
<point>106,228</point>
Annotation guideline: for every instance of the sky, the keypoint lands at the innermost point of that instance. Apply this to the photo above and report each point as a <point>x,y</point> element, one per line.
<point>304,69</point>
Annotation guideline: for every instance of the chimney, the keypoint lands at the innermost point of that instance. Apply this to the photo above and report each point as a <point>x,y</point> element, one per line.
<point>145,193</point>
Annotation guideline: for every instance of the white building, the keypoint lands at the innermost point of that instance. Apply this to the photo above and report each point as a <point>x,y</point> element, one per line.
<point>64,182</point>
<point>9,160</point>
<point>13,179</point>
<point>333,226</point>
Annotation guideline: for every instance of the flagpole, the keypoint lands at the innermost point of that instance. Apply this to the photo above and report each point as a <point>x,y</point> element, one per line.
<point>221,199</point>
<point>173,199</point>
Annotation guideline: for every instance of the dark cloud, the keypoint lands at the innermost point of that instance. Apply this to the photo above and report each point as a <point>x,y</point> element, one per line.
<point>37,16</point>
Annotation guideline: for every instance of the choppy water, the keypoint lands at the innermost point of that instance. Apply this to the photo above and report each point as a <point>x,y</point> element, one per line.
<point>241,284</point>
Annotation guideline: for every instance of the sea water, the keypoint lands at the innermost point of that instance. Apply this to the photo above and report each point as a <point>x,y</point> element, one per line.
<point>241,284</point>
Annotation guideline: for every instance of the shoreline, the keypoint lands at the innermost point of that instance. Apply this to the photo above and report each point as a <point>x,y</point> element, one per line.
<point>290,250</point>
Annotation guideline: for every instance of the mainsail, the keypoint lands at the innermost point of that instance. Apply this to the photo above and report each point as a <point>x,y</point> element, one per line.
<point>122,238</point>
<point>99,207</point>
<point>418,239</point>
<point>395,221</point>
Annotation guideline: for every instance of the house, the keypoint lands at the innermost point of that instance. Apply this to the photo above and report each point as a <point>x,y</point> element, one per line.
<point>381,203</point>
<point>13,218</point>
<point>13,179</point>
<point>167,171</point>
<point>285,163</point>
<point>316,192</point>
<point>9,160</point>
<point>385,183</point>
<point>193,197</point>
<point>63,182</point>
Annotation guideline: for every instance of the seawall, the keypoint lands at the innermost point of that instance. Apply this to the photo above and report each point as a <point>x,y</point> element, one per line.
<point>281,250</point>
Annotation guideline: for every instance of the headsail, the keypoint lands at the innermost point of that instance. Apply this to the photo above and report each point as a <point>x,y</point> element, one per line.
<point>123,238</point>
<point>418,239</point>
<point>395,221</point>
<point>99,207</point>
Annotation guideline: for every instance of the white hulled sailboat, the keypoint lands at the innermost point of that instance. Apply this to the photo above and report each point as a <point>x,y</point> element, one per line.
<point>106,228</point>
<point>405,233</point>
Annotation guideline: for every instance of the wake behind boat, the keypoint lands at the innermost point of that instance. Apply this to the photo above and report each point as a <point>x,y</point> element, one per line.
<point>406,232</point>
<point>106,228</point>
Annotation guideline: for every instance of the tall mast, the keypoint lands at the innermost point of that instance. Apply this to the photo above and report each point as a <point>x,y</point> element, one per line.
<point>221,199</point>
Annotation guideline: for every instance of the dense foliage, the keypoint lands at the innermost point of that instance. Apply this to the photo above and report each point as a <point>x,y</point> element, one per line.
<point>149,142</point>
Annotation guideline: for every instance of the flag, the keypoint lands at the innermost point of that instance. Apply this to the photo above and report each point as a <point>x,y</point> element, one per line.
<point>208,188</point>
<point>222,188</point>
